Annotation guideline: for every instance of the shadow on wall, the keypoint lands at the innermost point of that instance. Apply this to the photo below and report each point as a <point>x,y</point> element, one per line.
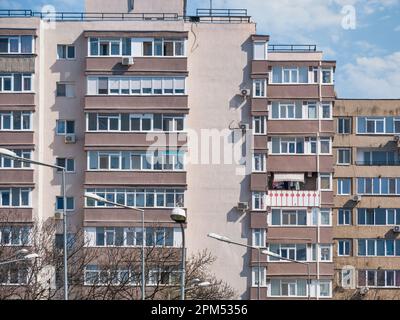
<point>242,105</point>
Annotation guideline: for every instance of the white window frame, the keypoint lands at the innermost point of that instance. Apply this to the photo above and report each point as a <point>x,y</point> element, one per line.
<point>340,188</point>
<point>255,274</point>
<point>332,76</point>
<point>319,181</point>
<point>345,212</point>
<point>290,70</point>
<point>262,84</point>
<point>322,106</point>
<point>261,197</point>
<point>262,158</point>
<point>338,156</point>
<point>262,121</point>
<point>66,46</point>
<point>263,236</point>
<point>347,243</point>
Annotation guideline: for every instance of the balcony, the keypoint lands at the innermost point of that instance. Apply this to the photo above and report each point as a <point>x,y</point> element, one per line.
<point>293,198</point>
<point>17,215</point>
<point>299,163</point>
<point>16,138</point>
<point>14,177</point>
<point>118,217</point>
<point>378,163</point>
<point>17,99</point>
<point>110,65</point>
<point>137,103</point>
<point>130,178</point>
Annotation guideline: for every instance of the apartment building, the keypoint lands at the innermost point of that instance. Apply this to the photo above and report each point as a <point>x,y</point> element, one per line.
<point>93,93</point>
<point>291,183</point>
<point>366,208</point>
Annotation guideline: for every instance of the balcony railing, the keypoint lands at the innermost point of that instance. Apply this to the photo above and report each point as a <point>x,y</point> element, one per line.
<point>378,163</point>
<point>203,15</point>
<point>302,198</point>
<point>292,48</point>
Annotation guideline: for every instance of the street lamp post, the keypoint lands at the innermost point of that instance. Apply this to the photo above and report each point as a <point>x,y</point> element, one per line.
<point>100,199</point>
<point>10,154</point>
<point>179,216</point>
<point>277,256</point>
<point>227,240</point>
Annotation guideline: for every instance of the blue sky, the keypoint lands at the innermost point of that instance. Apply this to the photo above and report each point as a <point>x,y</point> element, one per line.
<point>368,57</point>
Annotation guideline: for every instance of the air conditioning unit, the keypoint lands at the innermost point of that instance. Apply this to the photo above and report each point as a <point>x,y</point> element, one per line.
<point>243,206</point>
<point>397,137</point>
<point>127,61</point>
<point>58,215</point>
<point>364,291</point>
<point>357,198</point>
<point>246,92</point>
<point>396,229</point>
<point>70,138</point>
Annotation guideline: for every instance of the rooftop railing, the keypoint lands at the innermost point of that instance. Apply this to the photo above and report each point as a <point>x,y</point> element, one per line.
<point>203,15</point>
<point>292,48</point>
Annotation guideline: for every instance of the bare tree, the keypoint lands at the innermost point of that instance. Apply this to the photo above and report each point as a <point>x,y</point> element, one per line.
<point>98,273</point>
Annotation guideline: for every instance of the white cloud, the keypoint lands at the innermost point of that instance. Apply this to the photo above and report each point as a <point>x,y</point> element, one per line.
<point>397,29</point>
<point>371,77</point>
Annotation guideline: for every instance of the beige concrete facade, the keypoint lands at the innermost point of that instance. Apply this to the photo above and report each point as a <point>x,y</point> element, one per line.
<point>353,231</point>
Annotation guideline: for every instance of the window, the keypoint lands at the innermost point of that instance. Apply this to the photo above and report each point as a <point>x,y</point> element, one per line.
<point>15,197</point>
<point>135,86</point>
<point>379,278</point>
<point>326,110</point>
<point>65,90</point>
<point>16,45</point>
<point>258,200</point>
<point>378,247</point>
<point>259,88</point>
<point>326,252</point>
<point>60,203</point>
<point>259,162</point>
<point>379,217</point>
<point>325,182</point>
<point>344,217</point>
<point>15,164</point>
<point>259,238</point>
<point>344,125</point>
<point>325,145</point>
<point>258,275</point>
<point>312,110</point>
<point>16,82</point>
<point>136,160</point>
<point>260,50</point>
<point>325,217</point>
<point>290,75</point>
<point>64,127</point>
<point>327,76</point>
<point>288,288</point>
<point>65,52</point>
<point>344,156</point>
<point>375,125</point>
<point>287,145</point>
<point>296,252</point>
<point>15,121</point>
<point>135,122</point>
<point>378,186</point>
<point>378,158</point>
<point>68,164</point>
<point>15,235</point>
<point>151,198</point>
<point>260,125</point>
<point>344,186</point>
<point>344,248</point>
<point>289,217</point>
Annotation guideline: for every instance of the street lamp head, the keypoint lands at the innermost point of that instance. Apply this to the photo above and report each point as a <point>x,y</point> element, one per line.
<point>31,256</point>
<point>219,237</point>
<point>94,197</point>
<point>178,215</point>
<point>204,284</point>
<point>271,254</point>
<point>22,251</point>
<point>6,152</point>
